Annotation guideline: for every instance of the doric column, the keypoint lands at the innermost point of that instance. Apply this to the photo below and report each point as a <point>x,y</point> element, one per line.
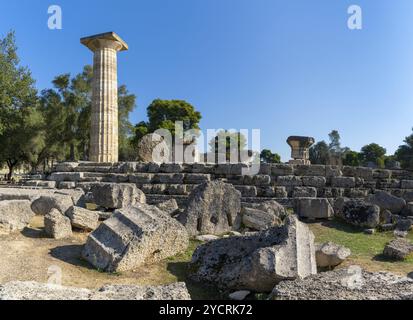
<point>104,127</point>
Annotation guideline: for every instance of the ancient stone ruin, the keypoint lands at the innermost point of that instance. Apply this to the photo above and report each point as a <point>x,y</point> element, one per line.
<point>247,234</point>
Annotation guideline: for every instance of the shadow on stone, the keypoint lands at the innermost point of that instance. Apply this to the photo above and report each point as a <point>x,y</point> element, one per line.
<point>34,233</point>
<point>71,254</point>
<point>410,275</point>
<point>382,258</point>
<point>197,290</point>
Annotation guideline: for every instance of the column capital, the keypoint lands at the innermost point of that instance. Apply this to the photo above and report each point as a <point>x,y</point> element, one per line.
<point>104,40</point>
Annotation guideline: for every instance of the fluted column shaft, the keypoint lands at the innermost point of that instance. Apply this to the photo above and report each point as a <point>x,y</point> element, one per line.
<point>104,126</point>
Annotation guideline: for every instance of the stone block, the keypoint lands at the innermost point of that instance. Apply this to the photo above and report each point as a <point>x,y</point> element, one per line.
<point>141,178</point>
<point>196,178</point>
<point>304,192</point>
<point>282,170</point>
<point>314,208</point>
<point>57,225</point>
<point>317,182</point>
<point>343,182</point>
<point>289,181</point>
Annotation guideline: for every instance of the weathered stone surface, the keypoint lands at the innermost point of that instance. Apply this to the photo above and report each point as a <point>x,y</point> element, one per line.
<point>42,292</point>
<point>66,176</point>
<point>304,192</point>
<point>56,225</point>
<point>259,261</point>
<point>150,143</point>
<point>359,213</point>
<point>67,185</point>
<point>171,168</point>
<point>45,204</point>
<point>270,206</point>
<point>386,217</point>
<point>66,166</point>
<point>314,208</point>
<point>239,295</point>
<point>117,195</point>
<point>258,219</point>
<point>134,236</point>
<point>15,215</point>
<point>170,206</point>
<point>22,194</point>
<point>174,291</point>
<point>40,184</point>
<point>247,191</point>
<point>141,178</point>
<point>351,283</point>
<point>282,169</point>
<point>206,238</point>
<point>387,201</point>
<point>83,219</point>
<point>213,208</point>
<point>404,225</point>
<point>317,182</point>
<point>330,255</point>
<point>398,249</point>
<point>289,181</point>
<point>197,178</point>
<point>343,182</point>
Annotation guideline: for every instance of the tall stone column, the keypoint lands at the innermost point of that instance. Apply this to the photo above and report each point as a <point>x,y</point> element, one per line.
<point>104,145</point>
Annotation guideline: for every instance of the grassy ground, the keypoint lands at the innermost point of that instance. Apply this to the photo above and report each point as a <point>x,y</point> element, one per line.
<point>366,249</point>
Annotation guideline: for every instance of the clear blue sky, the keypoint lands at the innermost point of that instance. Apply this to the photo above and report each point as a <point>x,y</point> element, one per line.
<point>285,67</point>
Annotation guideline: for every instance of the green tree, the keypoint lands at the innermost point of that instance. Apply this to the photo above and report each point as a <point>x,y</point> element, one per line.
<point>162,114</point>
<point>351,158</point>
<point>71,102</point>
<point>404,153</point>
<point>268,157</point>
<point>373,153</point>
<point>319,153</point>
<point>21,123</point>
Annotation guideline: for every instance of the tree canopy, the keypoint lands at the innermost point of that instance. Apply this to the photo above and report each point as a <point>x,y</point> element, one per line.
<point>268,157</point>
<point>404,153</point>
<point>373,153</point>
<point>21,123</point>
<point>162,114</point>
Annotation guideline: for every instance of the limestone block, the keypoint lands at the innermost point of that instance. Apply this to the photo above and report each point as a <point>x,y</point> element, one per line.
<point>83,219</point>
<point>314,208</point>
<point>304,192</point>
<point>15,215</point>
<point>289,181</point>
<point>196,178</point>
<point>259,261</point>
<point>311,181</point>
<point>282,170</point>
<point>57,225</point>
<point>117,195</point>
<point>135,236</point>
<point>213,208</point>
<point>343,182</point>
<point>141,178</point>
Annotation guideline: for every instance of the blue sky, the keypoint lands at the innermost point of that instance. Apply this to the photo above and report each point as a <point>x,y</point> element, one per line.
<point>285,67</point>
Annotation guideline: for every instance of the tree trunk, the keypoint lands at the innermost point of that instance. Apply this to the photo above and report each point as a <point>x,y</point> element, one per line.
<point>11,164</point>
<point>72,152</point>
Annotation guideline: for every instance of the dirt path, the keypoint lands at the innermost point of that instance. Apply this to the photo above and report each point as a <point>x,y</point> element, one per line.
<point>28,255</point>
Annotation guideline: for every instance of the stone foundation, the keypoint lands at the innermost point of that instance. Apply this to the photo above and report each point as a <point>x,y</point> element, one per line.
<point>282,182</point>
